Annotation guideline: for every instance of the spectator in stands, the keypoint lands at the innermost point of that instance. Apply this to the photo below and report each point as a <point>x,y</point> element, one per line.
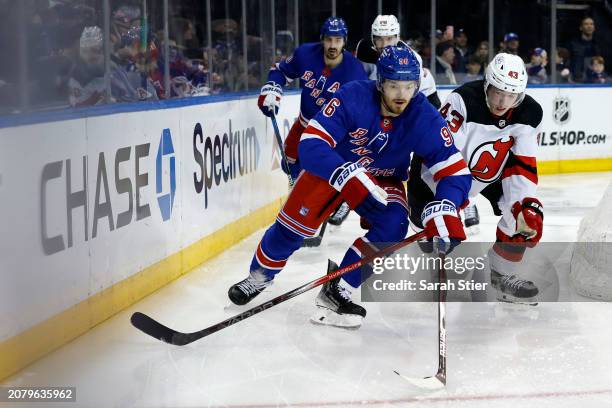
<point>447,35</point>
<point>86,84</point>
<point>562,65</point>
<point>131,76</point>
<point>462,51</point>
<point>227,56</point>
<point>125,17</point>
<point>54,41</point>
<point>583,49</point>
<point>510,44</point>
<point>482,54</point>
<point>536,68</point>
<point>217,81</point>
<point>474,68</point>
<point>596,73</point>
<point>184,32</point>
<point>187,77</point>
<point>416,40</point>
<point>445,55</point>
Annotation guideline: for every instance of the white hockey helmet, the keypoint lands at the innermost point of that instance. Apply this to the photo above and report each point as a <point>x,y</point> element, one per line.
<point>384,26</point>
<point>91,37</point>
<point>91,45</point>
<point>507,72</point>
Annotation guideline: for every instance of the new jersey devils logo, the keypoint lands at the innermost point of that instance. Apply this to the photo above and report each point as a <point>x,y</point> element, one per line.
<point>487,160</point>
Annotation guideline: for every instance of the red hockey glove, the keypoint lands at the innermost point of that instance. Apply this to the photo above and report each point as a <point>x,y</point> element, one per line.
<point>269,98</point>
<point>359,189</point>
<point>529,217</point>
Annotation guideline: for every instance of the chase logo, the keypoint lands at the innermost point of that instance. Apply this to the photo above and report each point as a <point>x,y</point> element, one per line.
<point>165,172</point>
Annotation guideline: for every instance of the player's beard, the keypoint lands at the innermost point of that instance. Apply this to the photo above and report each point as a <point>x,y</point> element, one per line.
<point>393,106</point>
<point>332,53</point>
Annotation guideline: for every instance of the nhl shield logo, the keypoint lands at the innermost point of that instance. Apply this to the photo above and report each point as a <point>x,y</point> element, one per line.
<point>561,110</point>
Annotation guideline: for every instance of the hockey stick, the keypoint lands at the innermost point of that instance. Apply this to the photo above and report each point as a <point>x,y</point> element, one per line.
<point>279,142</point>
<point>155,329</point>
<point>315,241</point>
<point>437,381</point>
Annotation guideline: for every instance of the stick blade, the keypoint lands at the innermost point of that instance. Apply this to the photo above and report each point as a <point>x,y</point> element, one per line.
<point>311,242</point>
<point>428,383</point>
<point>153,328</point>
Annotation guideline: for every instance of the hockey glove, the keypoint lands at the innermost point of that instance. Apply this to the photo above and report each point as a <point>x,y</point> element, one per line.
<point>269,98</point>
<point>359,189</point>
<point>293,169</point>
<point>442,225</point>
<point>529,217</point>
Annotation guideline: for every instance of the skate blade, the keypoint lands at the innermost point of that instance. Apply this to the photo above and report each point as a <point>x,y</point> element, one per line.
<point>327,317</point>
<point>473,230</point>
<point>504,297</point>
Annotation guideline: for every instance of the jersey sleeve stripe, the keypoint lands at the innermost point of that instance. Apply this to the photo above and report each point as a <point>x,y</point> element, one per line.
<point>527,160</point>
<point>520,171</point>
<point>316,131</point>
<point>522,166</point>
<point>454,158</point>
<point>303,120</point>
<point>456,169</point>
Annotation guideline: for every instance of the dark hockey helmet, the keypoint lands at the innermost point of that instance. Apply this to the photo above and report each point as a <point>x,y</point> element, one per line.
<point>399,64</point>
<point>334,27</point>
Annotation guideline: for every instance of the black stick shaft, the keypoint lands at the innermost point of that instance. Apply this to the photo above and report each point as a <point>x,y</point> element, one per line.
<point>279,142</point>
<point>155,329</point>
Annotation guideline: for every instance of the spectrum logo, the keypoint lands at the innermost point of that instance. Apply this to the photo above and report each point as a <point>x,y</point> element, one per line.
<point>165,166</point>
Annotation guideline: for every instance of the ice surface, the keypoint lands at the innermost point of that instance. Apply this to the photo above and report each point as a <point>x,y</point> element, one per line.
<point>499,355</point>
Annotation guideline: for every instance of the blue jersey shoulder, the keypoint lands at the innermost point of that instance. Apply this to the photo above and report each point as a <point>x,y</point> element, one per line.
<point>428,116</point>
<point>359,91</point>
<point>307,50</point>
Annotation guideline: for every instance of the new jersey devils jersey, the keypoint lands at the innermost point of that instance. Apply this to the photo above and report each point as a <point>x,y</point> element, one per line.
<point>350,128</point>
<point>494,147</point>
<point>318,82</point>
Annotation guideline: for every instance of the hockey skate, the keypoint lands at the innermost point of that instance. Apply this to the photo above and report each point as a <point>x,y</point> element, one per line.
<point>334,305</point>
<point>471,219</point>
<point>338,217</point>
<point>512,289</point>
<point>244,291</point>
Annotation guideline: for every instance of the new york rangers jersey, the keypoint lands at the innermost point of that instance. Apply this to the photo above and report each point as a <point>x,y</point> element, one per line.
<point>495,148</point>
<point>352,125</point>
<point>318,82</point>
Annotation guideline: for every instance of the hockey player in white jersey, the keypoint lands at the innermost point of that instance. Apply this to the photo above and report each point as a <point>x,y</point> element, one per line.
<point>495,126</point>
<point>386,31</point>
